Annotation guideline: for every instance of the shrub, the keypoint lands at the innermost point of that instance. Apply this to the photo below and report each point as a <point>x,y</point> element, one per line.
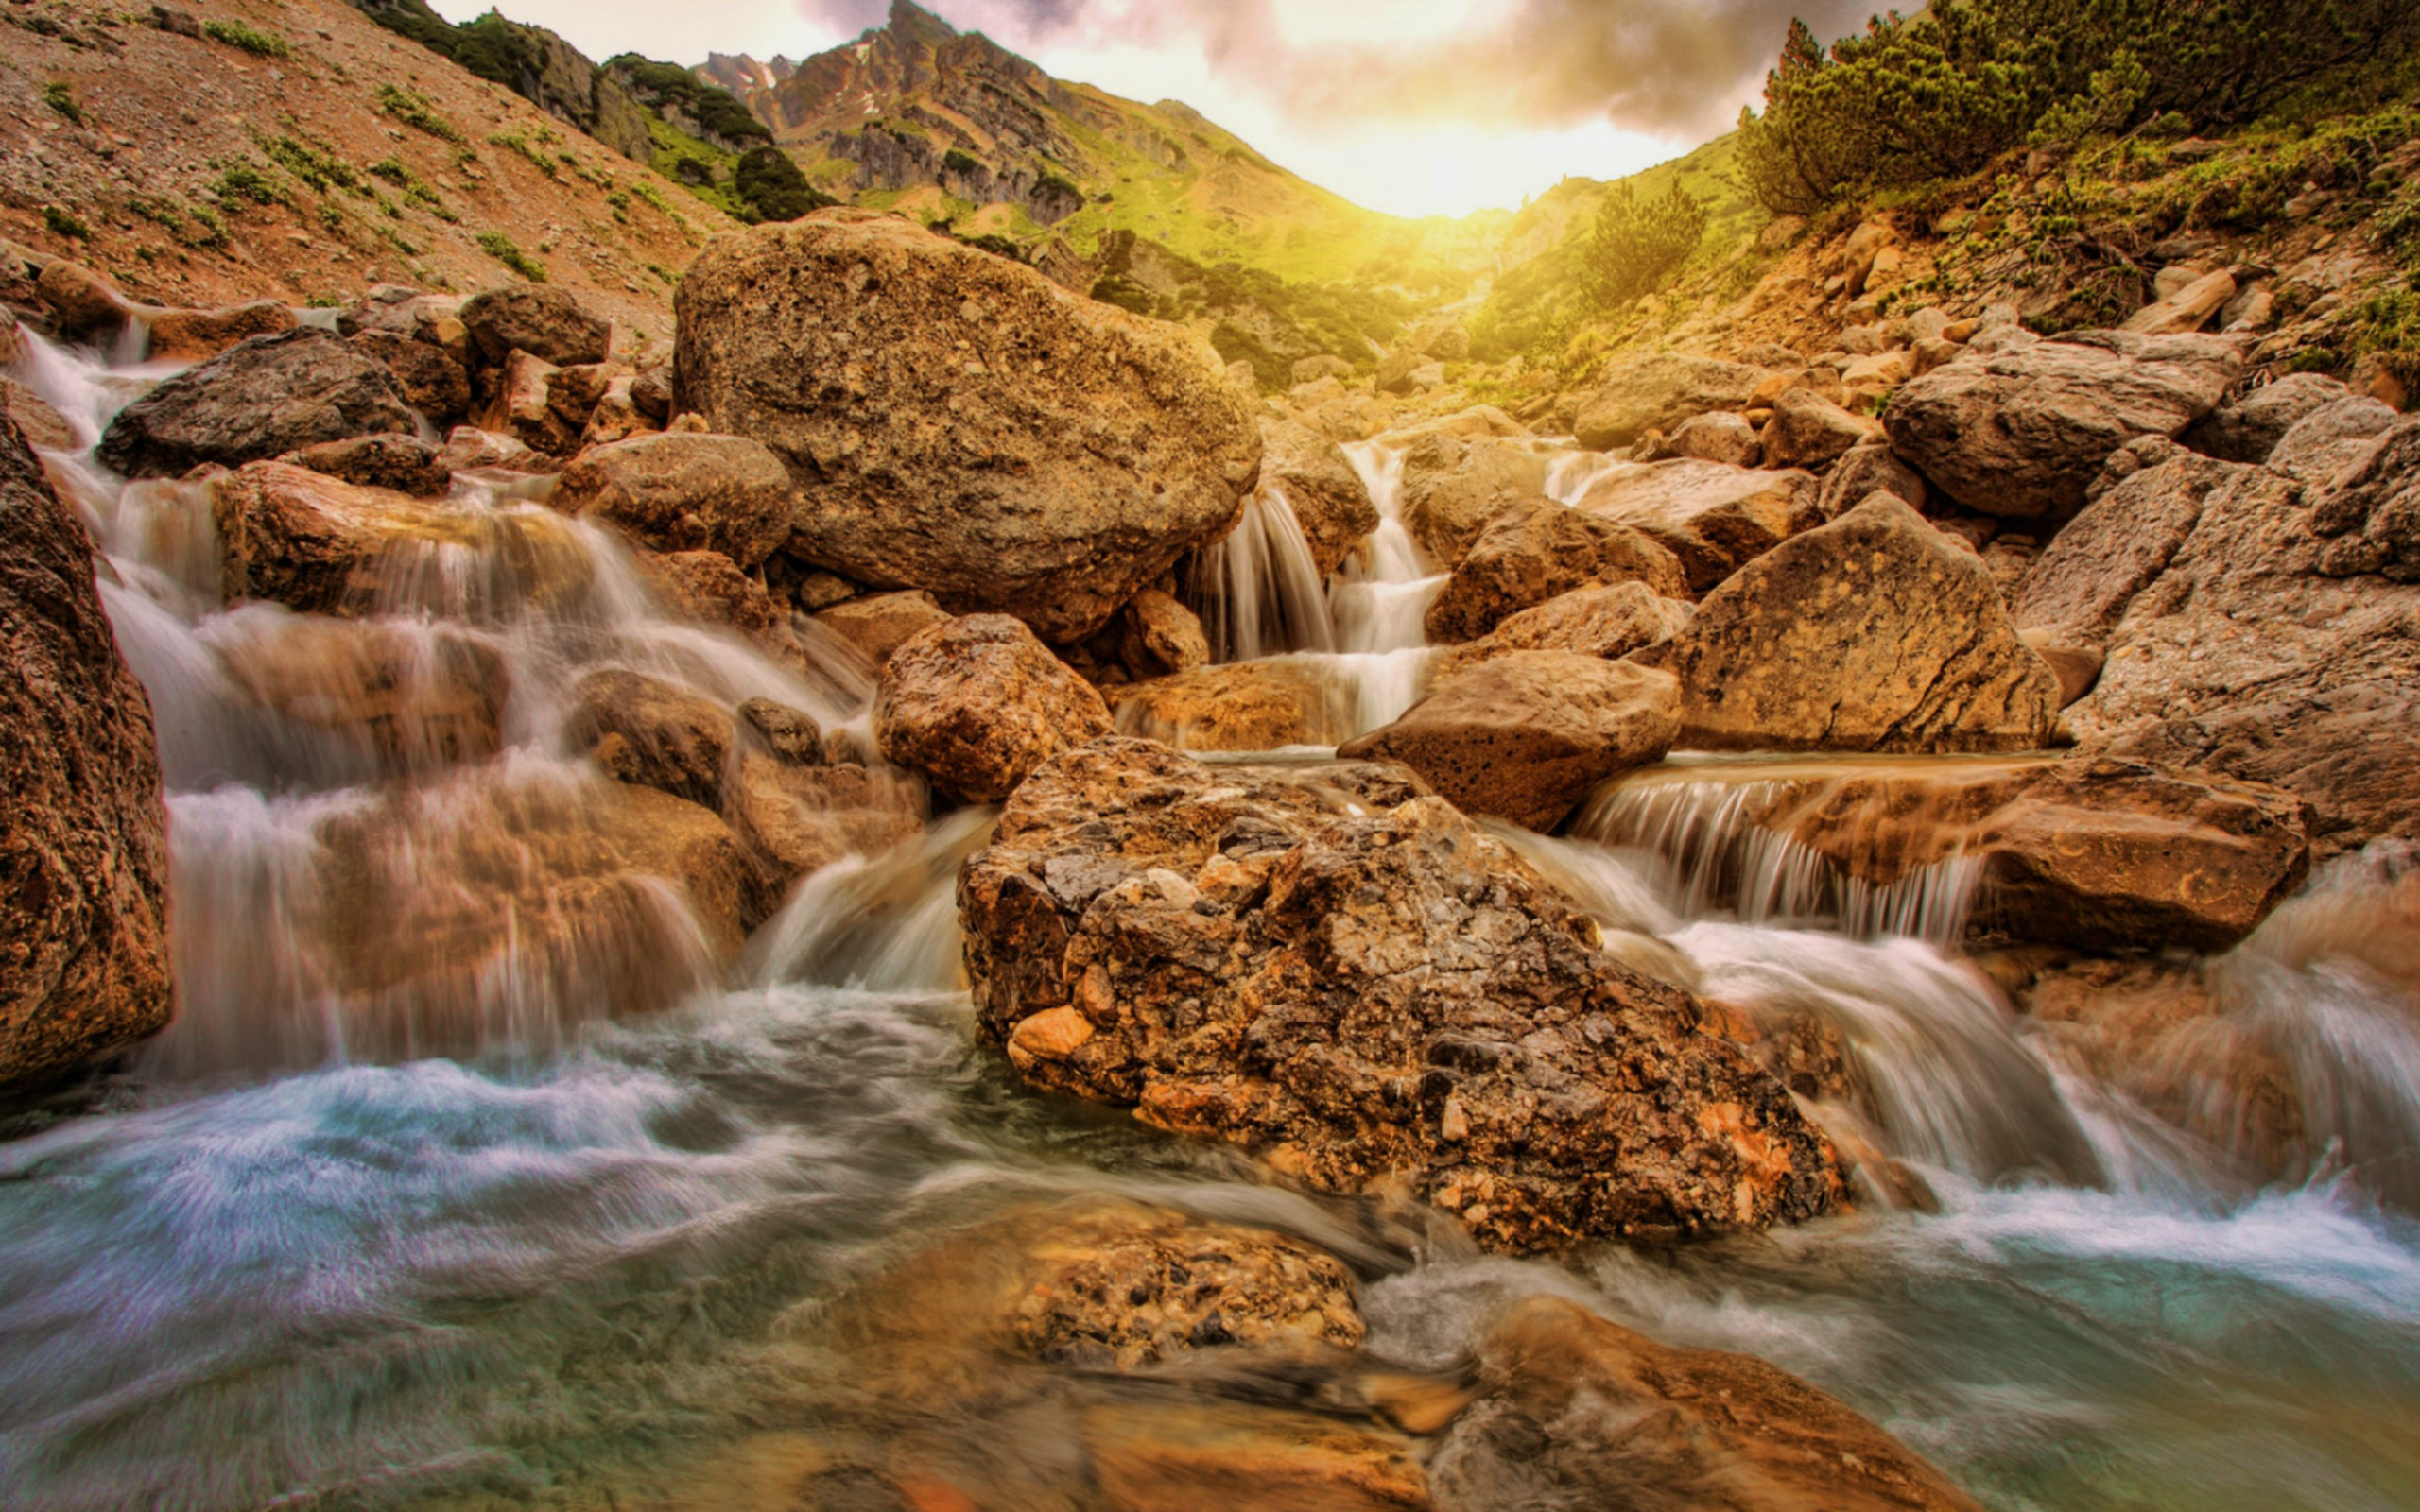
<point>235,34</point>
<point>715,109</point>
<point>213,231</point>
<point>320,169</point>
<point>59,98</point>
<point>956,159</point>
<point>771,187</point>
<point>1110,288</point>
<point>241,180</point>
<point>502,247</point>
<point>418,112</point>
<point>1638,245</point>
<point>519,143</point>
<point>65,223</point>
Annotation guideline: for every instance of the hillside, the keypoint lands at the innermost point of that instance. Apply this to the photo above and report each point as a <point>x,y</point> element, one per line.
<point>917,116</point>
<point>331,155</point>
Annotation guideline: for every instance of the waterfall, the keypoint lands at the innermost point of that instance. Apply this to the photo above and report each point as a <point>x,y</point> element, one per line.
<point>1258,589</point>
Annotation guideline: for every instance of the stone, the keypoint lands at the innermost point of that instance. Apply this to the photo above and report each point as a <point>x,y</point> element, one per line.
<point>1263,705</point>
<point>403,463</point>
<point>974,430</point>
<point>192,336</point>
<point>1874,632</point>
<point>550,323</point>
<point>651,733</point>
<point>1864,470</point>
<point>42,426</point>
<point>685,492</point>
<point>2081,585</point>
<point>1810,431</point>
<point>978,703</point>
<point>1328,498</point>
<point>2075,666</point>
<point>2020,433</point>
<point>520,406</point>
<point>409,697</point>
<point>82,303</point>
<point>1597,620</point>
<point>2248,429</point>
<point>261,398</point>
<point>1320,965</point>
<point>1718,437</point>
<point>2185,308</point>
<point>1865,381</point>
<point>1399,371</point>
<point>1712,518</point>
<point>1525,735</point>
<point>2244,658</point>
<point>1658,390</point>
<point>84,968</point>
<point>1525,557</point>
<point>797,819</point>
<point>1573,1411</point>
<point>468,448</point>
<point>2370,515</point>
<point>879,624</point>
<point>709,587</point>
<point>788,733</point>
<point>1162,635</point>
<point>1455,485</point>
<point>615,416</point>
<point>1311,369</point>
<point>2331,440</point>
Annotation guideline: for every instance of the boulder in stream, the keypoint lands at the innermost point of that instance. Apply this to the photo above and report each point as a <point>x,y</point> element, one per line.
<point>1455,485</point>
<point>260,397</point>
<point>84,859</point>
<point>976,704</point>
<point>1259,705</point>
<point>1528,556</point>
<point>685,492</point>
<point>1597,620</point>
<point>1361,983</point>
<point>1712,518</point>
<point>1328,498</point>
<point>551,324</point>
<point>969,428</point>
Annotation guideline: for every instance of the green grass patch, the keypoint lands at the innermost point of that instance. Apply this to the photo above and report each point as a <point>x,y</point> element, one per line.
<point>246,39</point>
<point>61,97</point>
<point>65,223</point>
<point>314,165</point>
<point>503,248</point>
<point>419,112</point>
<point>519,143</point>
<point>241,180</point>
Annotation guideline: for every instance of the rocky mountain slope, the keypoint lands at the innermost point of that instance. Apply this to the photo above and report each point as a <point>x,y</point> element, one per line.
<point>298,149</point>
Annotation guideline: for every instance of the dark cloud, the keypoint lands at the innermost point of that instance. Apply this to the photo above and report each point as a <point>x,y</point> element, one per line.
<point>1668,67</point>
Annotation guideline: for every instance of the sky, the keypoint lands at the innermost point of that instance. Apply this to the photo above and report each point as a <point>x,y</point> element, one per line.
<point>1413,107</point>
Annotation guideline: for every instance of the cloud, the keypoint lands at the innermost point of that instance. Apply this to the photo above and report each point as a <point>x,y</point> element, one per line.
<point>1666,67</point>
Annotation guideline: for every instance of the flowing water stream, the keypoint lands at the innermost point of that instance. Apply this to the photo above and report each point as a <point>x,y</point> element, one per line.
<point>434,1196</point>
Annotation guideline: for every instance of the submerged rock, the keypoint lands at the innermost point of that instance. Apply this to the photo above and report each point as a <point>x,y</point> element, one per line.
<point>654,733</point>
<point>260,397</point>
<point>1872,634</point>
<point>978,703</point>
<point>410,696</point>
<point>969,428</point>
<point>1240,706</point>
<point>83,860</point>
<point>1361,983</point>
<point>1527,734</point>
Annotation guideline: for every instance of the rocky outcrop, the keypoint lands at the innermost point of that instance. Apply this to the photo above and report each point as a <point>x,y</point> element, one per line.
<point>84,859</point>
<point>1599,620</point>
<point>1573,1411</point>
<point>685,492</point>
<point>2081,585</point>
<point>260,397</point>
<point>550,324</point>
<point>2371,515</point>
<point>1327,497</point>
<point>978,703</point>
<point>2248,429</point>
<point>1240,706</point>
<point>1875,632</point>
<point>972,429</point>
<point>2244,657</point>
<point>1864,470</point>
<point>1525,735</point>
<point>2019,433</point>
<point>1712,518</point>
<point>1526,556</point>
<point>1363,985</point>
<point>2331,440</point>
<point>1658,390</point>
<point>433,379</point>
<point>1455,485</point>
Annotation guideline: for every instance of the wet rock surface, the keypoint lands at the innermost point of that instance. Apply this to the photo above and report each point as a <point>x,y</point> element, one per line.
<point>1658,391</point>
<point>83,860</point>
<point>1067,455</point>
<point>685,492</point>
<point>1455,485</point>
<point>261,398</point>
<point>1328,498</point>
<point>1358,982</point>
<point>978,703</point>
<point>1527,557</point>
<point>1600,621</point>
<point>1239,706</point>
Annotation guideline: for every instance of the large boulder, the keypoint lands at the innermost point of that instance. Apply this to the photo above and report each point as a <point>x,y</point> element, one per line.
<point>2332,441</point>
<point>958,422</point>
<point>1875,632</point>
<point>1810,431</point>
<point>1525,735</point>
<point>1261,704</point>
<point>1658,390</point>
<point>1526,556</point>
<point>1455,485</point>
<point>433,379</point>
<point>83,860</point>
<point>2246,656</point>
<point>2370,514</point>
<point>2076,591</point>
<point>1718,436</point>
<point>1327,496</point>
<point>1864,470</point>
<point>260,397</point>
<point>191,336</point>
<point>685,492</point>
<point>978,703</point>
<point>2020,432</point>
<point>1712,518</point>
<point>406,464</point>
<point>1598,620</point>
<point>1574,1412</point>
<point>654,733</point>
<point>1363,985</point>
<point>551,324</point>
<point>2248,429</point>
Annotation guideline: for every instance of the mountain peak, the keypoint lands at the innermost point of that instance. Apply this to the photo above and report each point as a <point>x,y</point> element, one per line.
<point>909,21</point>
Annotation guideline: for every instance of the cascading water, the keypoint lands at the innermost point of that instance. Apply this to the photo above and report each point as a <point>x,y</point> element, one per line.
<point>294,1257</point>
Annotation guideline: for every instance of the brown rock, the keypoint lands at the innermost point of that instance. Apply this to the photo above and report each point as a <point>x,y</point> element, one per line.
<point>1574,1411</point>
<point>1712,518</point>
<point>520,407</point>
<point>403,463</point>
<point>1599,620</point>
<point>410,698</point>
<point>786,732</point>
<point>1454,487</point>
<point>1082,452</point>
<point>1262,705</point>
<point>40,424</point>
<point>83,861</point>
<point>191,336</point>
<point>1525,557</point>
<point>82,303</point>
<point>260,397</point>
<point>2187,309</point>
<point>880,624</point>
<point>1864,470</point>
<point>1327,495</point>
<point>467,447</point>
<point>798,819</point>
<point>1872,634</point>
<point>432,379</point>
<point>709,587</point>
<point>1374,992</point>
<point>615,416</point>
<point>978,703</point>
<point>2081,585</point>
<point>1808,430</point>
<point>1525,735</point>
<point>685,492</point>
<point>549,323</point>
<point>2370,514</point>
<point>2331,440</point>
<point>648,731</point>
<point>2249,428</point>
<point>1658,390</point>
<point>1163,635</point>
<point>1720,436</point>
